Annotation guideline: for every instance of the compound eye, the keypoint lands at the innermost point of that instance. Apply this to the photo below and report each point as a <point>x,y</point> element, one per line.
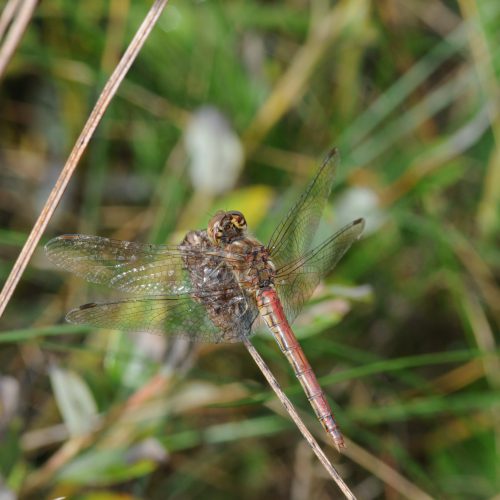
<point>238,220</point>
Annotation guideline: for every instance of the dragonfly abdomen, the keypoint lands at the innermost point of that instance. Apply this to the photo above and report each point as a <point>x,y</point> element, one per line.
<point>273,314</point>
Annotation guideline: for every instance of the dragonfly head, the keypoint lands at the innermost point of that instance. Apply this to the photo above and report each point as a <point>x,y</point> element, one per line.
<point>225,227</point>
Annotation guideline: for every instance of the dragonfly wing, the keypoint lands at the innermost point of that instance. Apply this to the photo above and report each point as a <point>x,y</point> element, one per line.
<point>128,266</point>
<point>293,236</point>
<point>296,281</point>
<point>179,317</point>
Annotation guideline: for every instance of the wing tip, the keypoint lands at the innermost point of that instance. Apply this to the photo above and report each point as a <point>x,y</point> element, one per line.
<point>54,241</point>
<point>361,223</point>
<point>333,153</point>
<point>73,315</point>
<point>89,305</point>
<point>48,246</point>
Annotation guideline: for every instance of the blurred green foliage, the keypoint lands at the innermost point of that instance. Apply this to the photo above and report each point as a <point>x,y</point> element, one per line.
<point>406,348</point>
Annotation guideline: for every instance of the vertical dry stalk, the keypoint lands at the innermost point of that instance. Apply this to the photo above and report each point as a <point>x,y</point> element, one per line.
<point>287,404</point>
<point>16,31</point>
<point>8,12</point>
<point>95,117</point>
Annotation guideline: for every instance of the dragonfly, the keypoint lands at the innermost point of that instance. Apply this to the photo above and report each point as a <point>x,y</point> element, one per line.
<point>215,284</point>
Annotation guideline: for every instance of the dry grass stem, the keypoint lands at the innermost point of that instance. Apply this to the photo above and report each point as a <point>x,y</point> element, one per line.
<point>384,472</point>
<point>95,117</point>
<point>287,404</point>
<point>8,13</point>
<point>16,31</point>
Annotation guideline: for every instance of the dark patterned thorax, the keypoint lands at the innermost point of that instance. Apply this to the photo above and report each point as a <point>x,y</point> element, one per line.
<point>216,287</point>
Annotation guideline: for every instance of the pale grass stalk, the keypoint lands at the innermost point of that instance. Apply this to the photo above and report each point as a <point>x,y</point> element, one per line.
<point>479,270</point>
<point>483,60</point>
<point>436,15</point>
<point>303,473</point>
<point>94,119</point>
<point>384,472</point>
<point>287,404</point>
<point>7,14</point>
<point>16,30</point>
<point>485,340</point>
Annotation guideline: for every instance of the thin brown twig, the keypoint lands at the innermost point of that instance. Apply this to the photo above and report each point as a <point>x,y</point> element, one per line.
<point>370,462</point>
<point>15,33</point>
<point>95,117</point>
<point>8,13</point>
<point>386,473</point>
<point>287,404</point>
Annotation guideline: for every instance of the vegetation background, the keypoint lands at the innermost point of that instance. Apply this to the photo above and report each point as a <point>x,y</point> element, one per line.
<point>250,95</point>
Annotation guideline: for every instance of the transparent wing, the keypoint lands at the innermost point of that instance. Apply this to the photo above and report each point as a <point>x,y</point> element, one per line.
<point>178,317</point>
<point>293,236</point>
<point>140,268</point>
<point>296,281</point>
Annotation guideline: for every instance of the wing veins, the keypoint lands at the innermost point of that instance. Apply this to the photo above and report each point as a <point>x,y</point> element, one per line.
<point>276,241</point>
<point>297,264</point>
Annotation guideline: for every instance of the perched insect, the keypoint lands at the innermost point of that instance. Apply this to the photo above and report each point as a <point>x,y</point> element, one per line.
<point>212,286</point>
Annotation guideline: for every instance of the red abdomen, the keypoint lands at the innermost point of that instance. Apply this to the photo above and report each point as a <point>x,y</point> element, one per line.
<point>273,314</point>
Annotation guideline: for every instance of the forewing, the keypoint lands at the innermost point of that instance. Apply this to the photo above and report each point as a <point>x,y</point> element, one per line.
<point>296,281</point>
<point>140,268</point>
<point>293,236</point>
<point>177,317</point>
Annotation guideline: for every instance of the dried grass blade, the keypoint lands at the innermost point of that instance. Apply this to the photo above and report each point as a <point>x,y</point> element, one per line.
<point>287,404</point>
<point>16,31</point>
<point>95,117</point>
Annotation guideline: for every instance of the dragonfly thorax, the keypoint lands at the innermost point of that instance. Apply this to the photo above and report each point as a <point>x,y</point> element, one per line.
<point>257,271</point>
